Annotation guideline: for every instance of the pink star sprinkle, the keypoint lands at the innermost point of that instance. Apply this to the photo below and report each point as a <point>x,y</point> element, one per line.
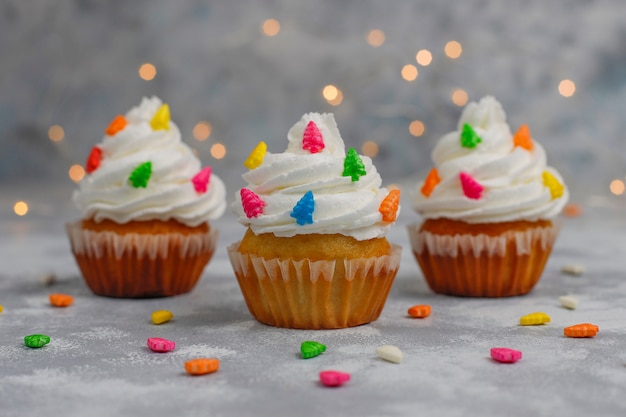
<point>471,188</point>
<point>312,139</point>
<point>251,203</point>
<point>157,344</point>
<point>334,378</point>
<point>505,355</point>
<point>201,180</point>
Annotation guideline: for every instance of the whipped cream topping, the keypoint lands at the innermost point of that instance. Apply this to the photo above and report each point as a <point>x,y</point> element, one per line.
<point>169,194</point>
<point>342,206</point>
<point>512,176</point>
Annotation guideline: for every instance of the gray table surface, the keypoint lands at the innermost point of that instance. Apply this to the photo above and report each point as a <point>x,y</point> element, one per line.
<point>98,364</point>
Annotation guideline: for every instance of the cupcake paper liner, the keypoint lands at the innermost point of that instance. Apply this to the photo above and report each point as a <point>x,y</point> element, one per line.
<point>480,265</point>
<point>304,294</point>
<point>137,265</point>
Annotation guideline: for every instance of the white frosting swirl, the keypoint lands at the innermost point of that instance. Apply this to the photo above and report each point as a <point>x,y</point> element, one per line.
<point>170,194</point>
<point>341,205</point>
<point>511,176</point>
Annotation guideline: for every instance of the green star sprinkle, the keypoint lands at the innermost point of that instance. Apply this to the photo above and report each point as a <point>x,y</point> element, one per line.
<point>310,349</point>
<point>469,138</point>
<point>36,340</point>
<point>141,175</point>
<point>353,165</point>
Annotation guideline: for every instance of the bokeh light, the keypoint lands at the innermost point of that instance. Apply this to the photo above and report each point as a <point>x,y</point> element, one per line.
<point>409,72</point>
<point>424,57</point>
<point>20,208</point>
<point>218,151</point>
<point>453,49</point>
<point>202,130</point>
<point>147,71</point>
<point>76,172</point>
<point>270,27</point>
<point>370,148</point>
<point>330,92</point>
<point>376,38</point>
<point>617,187</point>
<point>567,88</point>
<point>56,133</point>
<point>417,128</point>
<point>459,97</point>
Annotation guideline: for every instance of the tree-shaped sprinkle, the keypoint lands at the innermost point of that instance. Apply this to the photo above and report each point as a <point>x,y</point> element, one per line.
<point>141,175</point>
<point>256,156</point>
<point>389,206</point>
<point>303,210</point>
<point>523,139</point>
<point>312,139</point>
<point>353,165</point>
<point>556,188</point>
<point>201,180</point>
<point>251,203</point>
<point>431,181</point>
<point>469,138</point>
<point>471,188</point>
<point>161,119</point>
<point>117,124</point>
<point>93,160</point>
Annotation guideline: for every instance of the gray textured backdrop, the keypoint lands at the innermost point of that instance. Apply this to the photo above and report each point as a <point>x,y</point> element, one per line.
<point>75,64</point>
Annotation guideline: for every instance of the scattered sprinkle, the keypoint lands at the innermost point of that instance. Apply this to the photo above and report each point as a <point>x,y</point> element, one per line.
<point>469,138</point>
<point>36,340</point>
<point>419,311</point>
<point>61,300</point>
<point>201,180</point>
<point>304,208</point>
<point>161,316</point>
<point>556,188</point>
<point>256,156</point>
<point>202,366</point>
<point>505,355</point>
<point>534,319</point>
<point>118,123</point>
<point>390,353</point>
<point>47,279</point>
<point>523,139</point>
<point>334,378</point>
<point>471,188</point>
<point>161,119</point>
<point>353,165</point>
<point>572,210</point>
<point>93,160</point>
<point>310,349</point>
<point>141,175</point>
<point>157,344</point>
<point>251,203</point>
<point>581,330</point>
<point>1,308</point>
<point>312,140</point>
<point>431,181</point>
<point>389,206</point>
<point>574,269</point>
<point>568,301</point>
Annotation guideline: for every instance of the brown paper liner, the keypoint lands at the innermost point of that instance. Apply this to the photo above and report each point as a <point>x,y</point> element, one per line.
<point>330,294</point>
<point>483,266</point>
<point>137,265</point>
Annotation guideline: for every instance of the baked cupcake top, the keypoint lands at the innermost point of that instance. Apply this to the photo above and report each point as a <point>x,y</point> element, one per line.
<point>315,187</point>
<point>143,171</point>
<point>485,174</point>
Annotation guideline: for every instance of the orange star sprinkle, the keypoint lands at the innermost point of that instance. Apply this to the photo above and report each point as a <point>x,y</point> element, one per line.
<point>523,139</point>
<point>389,206</point>
<point>431,182</point>
<point>581,330</point>
<point>117,124</point>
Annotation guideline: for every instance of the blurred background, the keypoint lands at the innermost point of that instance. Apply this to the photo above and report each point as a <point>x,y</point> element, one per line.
<point>396,74</point>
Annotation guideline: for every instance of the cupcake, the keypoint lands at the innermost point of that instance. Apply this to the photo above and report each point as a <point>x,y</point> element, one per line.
<point>314,255</point>
<point>146,202</point>
<point>488,206</point>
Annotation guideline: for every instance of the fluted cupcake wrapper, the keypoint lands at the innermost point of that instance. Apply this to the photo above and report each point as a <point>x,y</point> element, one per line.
<point>139,265</point>
<point>480,265</point>
<point>304,294</point>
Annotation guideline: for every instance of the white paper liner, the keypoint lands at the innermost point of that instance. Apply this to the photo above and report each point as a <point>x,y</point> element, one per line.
<point>451,245</point>
<point>94,244</point>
